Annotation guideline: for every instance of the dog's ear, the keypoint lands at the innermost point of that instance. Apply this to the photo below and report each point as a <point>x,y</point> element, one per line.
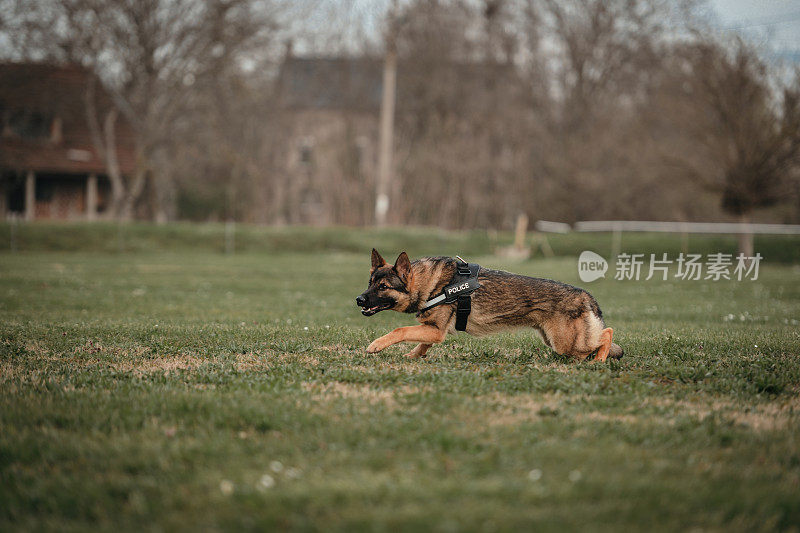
<point>377,260</point>
<point>403,266</point>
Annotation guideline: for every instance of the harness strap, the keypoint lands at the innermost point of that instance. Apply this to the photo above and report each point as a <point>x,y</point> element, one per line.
<point>432,302</point>
<point>459,291</point>
<point>463,309</point>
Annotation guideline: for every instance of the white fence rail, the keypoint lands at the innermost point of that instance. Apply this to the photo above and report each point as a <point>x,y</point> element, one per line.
<point>685,227</point>
<point>618,227</point>
<point>546,226</point>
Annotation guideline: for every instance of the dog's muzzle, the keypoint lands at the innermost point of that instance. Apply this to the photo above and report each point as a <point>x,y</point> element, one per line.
<point>369,310</point>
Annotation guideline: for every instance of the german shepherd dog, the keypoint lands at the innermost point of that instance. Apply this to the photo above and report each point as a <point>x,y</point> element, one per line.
<point>567,318</point>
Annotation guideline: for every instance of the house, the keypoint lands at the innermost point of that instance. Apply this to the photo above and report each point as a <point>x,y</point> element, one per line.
<point>331,110</point>
<point>49,166</point>
<point>331,106</point>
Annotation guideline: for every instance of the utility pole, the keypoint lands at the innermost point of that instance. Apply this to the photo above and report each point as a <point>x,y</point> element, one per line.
<point>387,120</point>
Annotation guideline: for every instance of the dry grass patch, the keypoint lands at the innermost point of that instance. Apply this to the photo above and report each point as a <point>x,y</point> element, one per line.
<point>249,361</point>
<point>158,365</point>
<point>322,392</point>
<point>8,370</point>
<point>309,361</point>
<point>512,409</point>
<point>408,367</point>
<point>36,348</point>
<point>161,268</point>
<point>337,348</point>
<point>101,351</point>
<point>139,361</point>
<point>606,417</point>
<point>772,416</point>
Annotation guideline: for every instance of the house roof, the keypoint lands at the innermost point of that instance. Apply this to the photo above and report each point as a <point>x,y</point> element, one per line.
<point>356,83</point>
<point>56,92</point>
<point>332,83</point>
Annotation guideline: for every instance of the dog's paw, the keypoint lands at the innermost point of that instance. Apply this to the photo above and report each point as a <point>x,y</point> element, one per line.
<point>376,346</point>
<point>413,354</point>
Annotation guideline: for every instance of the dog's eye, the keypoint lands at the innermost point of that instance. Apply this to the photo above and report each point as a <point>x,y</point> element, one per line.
<point>383,286</point>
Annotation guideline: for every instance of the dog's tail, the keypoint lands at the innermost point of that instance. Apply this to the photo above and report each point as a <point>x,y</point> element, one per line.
<point>616,351</point>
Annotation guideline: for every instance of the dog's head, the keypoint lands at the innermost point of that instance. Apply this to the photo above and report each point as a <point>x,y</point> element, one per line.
<point>388,285</point>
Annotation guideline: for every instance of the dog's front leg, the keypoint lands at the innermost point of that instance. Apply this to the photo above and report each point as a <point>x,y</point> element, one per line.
<point>423,334</point>
<point>419,351</point>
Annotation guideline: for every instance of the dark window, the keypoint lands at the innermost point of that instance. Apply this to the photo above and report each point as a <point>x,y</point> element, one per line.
<point>15,193</point>
<point>306,154</point>
<point>44,190</point>
<point>29,124</point>
<point>362,145</point>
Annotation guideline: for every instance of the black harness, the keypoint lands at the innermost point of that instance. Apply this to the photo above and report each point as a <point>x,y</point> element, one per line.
<point>459,290</point>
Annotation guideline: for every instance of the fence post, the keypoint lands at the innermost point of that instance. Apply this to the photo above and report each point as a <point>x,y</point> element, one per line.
<point>230,236</point>
<point>13,229</point>
<point>616,242</point>
<point>120,235</point>
<point>520,231</point>
<point>30,196</point>
<point>685,242</point>
<point>91,197</point>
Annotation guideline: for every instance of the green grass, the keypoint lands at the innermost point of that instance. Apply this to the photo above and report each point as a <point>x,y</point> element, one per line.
<point>188,389</point>
<point>111,237</point>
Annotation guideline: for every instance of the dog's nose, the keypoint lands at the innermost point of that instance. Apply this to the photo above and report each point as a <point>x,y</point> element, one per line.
<point>361,301</point>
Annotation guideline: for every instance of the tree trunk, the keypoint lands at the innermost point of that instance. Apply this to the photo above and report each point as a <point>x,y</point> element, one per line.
<point>104,142</point>
<point>134,192</point>
<point>745,239</point>
<point>112,164</point>
<point>163,187</point>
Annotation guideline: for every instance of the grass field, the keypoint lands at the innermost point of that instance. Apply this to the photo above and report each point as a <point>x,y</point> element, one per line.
<point>187,390</point>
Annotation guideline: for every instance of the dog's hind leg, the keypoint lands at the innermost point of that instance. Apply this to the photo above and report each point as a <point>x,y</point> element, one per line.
<point>606,338</point>
<point>419,351</point>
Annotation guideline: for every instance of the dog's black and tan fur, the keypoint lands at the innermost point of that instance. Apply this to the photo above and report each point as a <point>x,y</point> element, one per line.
<point>567,318</point>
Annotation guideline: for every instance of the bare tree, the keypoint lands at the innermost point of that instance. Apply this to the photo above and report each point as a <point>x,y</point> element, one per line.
<point>598,60</point>
<point>743,122</point>
<point>566,110</point>
<point>124,193</point>
<point>150,54</point>
<point>462,115</point>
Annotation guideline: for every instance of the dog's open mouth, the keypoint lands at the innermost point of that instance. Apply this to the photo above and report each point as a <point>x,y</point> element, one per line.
<point>369,311</point>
